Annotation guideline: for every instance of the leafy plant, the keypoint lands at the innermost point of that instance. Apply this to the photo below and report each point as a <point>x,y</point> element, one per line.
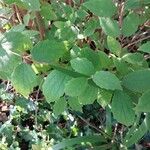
<point>69,58</point>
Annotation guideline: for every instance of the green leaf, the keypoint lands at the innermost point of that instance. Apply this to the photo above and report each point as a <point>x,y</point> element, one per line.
<point>137,134</point>
<point>67,70</point>
<point>138,81</point>
<point>134,58</point>
<point>16,42</point>
<point>122,108</point>
<point>53,86</point>
<point>22,103</point>
<point>101,7</point>
<point>148,121</point>
<point>83,66</point>
<point>104,97</point>
<point>81,14</point>
<point>24,79</point>
<point>32,5</point>
<point>145,47</point>
<point>92,56</point>
<point>8,62</point>
<point>129,26</point>
<point>113,45</point>
<point>110,27</point>
<point>90,26</point>
<point>78,140</point>
<point>105,61</point>
<point>48,51</point>
<point>89,95</point>
<point>11,1</point>
<point>76,86</point>
<point>144,102</point>
<point>60,106</point>
<point>75,52</point>
<point>75,104</point>
<point>27,4</point>
<point>106,80</point>
<point>47,12</point>
<point>121,66</point>
<point>67,33</point>
<point>134,4</point>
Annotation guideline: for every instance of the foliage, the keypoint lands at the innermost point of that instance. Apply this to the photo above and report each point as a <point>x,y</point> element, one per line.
<point>74,74</point>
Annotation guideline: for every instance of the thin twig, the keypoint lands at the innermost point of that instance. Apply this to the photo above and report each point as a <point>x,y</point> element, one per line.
<point>135,42</point>
<point>16,9</point>
<point>70,2</point>
<point>36,108</point>
<point>115,131</point>
<point>121,133</point>
<point>120,21</point>
<point>7,85</point>
<point>121,14</point>
<point>97,129</point>
<point>2,30</point>
<point>91,125</point>
<point>3,17</point>
<point>41,26</point>
<point>81,1</point>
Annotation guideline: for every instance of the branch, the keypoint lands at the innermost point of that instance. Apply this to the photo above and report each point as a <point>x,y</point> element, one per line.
<point>70,2</point>
<point>17,12</point>
<point>41,26</point>
<point>121,10</point>
<point>97,129</point>
<point>135,42</point>
<point>3,17</point>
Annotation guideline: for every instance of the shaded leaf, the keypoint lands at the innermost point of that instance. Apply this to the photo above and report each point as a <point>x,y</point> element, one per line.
<point>104,97</point>
<point>60,106</point>
<point>122,108</point>
<point>75,104</point>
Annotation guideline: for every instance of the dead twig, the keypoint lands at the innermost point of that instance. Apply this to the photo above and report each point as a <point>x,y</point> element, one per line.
<point>40,24</point>
<point>17,12</point>
<point>137,41</point>
<point>3,17</point>
<point>121,12</point>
